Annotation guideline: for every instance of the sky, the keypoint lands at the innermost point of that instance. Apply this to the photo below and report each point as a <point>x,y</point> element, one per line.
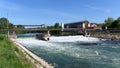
<point>36,12</point>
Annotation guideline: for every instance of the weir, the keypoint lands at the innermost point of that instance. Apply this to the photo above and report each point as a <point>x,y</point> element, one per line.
<point>46,35</point>
<point>68,52</point>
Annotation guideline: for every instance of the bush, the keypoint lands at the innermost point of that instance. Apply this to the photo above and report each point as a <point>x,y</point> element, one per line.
<point>2,37</point>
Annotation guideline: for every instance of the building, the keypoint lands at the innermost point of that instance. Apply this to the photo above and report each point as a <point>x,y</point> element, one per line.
<point>80,24</point>
<point>93,25</point>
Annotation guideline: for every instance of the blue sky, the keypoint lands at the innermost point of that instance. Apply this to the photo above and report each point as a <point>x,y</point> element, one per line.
<point>63,11</point>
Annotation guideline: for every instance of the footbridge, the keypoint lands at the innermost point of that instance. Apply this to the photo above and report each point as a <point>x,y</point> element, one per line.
<point>11,32</point>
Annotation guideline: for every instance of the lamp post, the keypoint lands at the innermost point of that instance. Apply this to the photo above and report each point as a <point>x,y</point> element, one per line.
<point>7,27</point>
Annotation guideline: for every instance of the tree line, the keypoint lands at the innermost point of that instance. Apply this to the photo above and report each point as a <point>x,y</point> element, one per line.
<point>5,23</point>
<point>112,23</point>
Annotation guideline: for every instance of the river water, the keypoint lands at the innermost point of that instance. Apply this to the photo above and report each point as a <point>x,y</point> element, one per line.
<point>75,51</point>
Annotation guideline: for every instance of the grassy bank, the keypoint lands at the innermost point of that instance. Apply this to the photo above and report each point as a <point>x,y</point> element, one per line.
<point>10,56</point>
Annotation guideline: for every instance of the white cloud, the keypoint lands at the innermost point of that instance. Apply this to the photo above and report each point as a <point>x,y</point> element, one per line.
<point>106,10</point>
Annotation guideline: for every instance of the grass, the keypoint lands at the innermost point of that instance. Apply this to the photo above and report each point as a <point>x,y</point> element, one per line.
<point>8,57</point>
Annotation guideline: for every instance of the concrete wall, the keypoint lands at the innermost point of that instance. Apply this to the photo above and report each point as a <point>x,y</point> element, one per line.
<point>105,35</point>
<point>34,59</point>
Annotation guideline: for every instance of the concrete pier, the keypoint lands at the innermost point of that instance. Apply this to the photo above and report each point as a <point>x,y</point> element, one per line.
<point>43,36</point>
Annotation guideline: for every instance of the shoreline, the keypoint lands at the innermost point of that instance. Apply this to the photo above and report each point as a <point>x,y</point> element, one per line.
<point>111,36</point>
<point>36,60</point>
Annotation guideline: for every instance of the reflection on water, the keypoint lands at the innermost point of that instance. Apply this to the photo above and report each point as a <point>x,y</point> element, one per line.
<point>68,52</point>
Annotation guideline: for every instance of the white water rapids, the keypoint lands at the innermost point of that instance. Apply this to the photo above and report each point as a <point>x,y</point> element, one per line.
<point>68,52</point>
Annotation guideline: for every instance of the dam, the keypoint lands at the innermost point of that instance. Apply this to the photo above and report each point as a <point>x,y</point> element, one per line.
<point>68,52</point>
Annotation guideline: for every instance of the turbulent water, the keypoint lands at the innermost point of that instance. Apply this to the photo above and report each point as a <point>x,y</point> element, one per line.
<point>76,51</point>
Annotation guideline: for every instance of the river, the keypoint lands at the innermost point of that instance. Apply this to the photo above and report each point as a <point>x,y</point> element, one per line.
<point>75,51</point>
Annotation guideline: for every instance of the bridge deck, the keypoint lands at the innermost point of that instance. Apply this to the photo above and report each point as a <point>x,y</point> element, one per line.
<point>42,29</point>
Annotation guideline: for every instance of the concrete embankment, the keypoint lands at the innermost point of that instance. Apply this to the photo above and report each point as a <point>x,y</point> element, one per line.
<point>106,35</point>
<point>34,59</point>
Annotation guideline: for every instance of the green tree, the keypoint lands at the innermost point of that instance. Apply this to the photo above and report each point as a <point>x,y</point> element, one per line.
<point>109,21</point>
<point>3,23</point>
<point>100,24</point>
<point>50,26</point>
<point>11,26</point>
<point>118,18</point>
<point>20,26</point>
<point>56,25</point>
<point>115,24</point>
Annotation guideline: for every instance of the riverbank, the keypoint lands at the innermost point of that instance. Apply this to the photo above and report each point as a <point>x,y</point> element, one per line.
<point>106,35</point>
<point>37,61</point>
<point>9,55</point>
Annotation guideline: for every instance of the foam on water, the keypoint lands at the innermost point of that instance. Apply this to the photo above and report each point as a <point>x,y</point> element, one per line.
<point>64,52</point>
<point>73,39</point>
